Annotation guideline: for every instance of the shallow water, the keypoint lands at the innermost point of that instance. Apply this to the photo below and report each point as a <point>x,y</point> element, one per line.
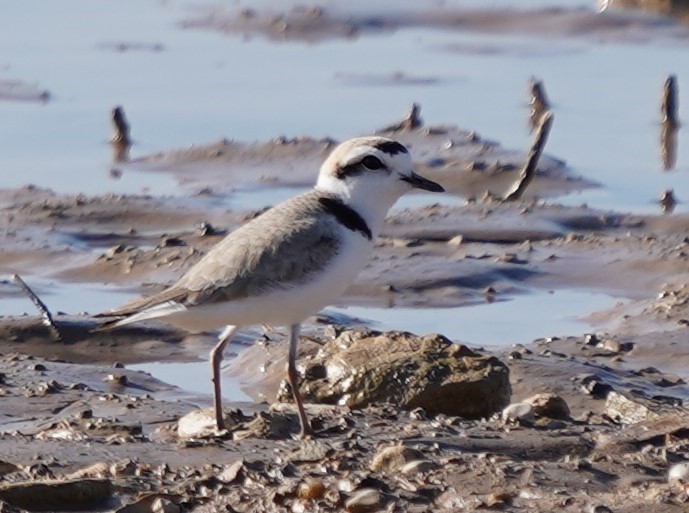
<point>500,324</point>
<point>197,86</point>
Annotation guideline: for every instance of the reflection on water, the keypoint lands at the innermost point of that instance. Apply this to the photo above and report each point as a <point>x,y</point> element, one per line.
<point>519,319</point>
<point>194,377</point>
<point>668,146</point>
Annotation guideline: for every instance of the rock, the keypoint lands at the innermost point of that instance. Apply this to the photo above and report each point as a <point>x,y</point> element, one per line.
<point>163,505</point>
<point>416,467</point>
<point>361,367</point>
<point>44,495</point>
<point>626,410</point>
<point>549,405</point>
<point>679,473</point>
<point>230,472</point>
<point>393,457</point>
<point>311,490</point>
<point>197,424</point>
<point>368,499</point>
<point>522,413</point>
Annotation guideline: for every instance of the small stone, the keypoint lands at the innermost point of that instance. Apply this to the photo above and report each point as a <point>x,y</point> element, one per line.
<point>549,405</point>
<point>456,240</point>
<point>117,379</point>
<point>523,413</point>
<point>365,500</point>
<point>416,467</point>
<point>599,509</point>
<point>113,250</point>
<point>591,339</point>
<point>163,505</point>
<point>679,473</point>
<point>393,457</point>
<point>610,345</point>
<point>311,490</point>
<point>230,472</point>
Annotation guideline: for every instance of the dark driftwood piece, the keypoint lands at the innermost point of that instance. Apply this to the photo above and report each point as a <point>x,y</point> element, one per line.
<point>670,102</point>
<point>120,133</point>
<point>40,306</point>
<point>529,170</point>
<point>538,103</point>
<point>409,122</point>
<point>669,123</point>
<point>120,139</point>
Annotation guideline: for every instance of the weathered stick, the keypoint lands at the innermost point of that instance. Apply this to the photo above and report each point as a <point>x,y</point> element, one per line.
<point>538,104</point>
<point>120,138</point>
<point>669,123</point>
<point>40,306</point>
<point>410,121</point>
<point>529,170</point>
<point>120,133</point>
<point>669,104</point>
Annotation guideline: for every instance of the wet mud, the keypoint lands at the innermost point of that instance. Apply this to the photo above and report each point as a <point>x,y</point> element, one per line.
<point>60,394</point>
<point>78,427</point>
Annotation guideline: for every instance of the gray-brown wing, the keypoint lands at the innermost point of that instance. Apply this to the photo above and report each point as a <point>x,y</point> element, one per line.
<point>284,247</point>
<point>142,303</point>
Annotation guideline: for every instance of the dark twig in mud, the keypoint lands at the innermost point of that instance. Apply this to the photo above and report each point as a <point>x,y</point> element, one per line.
<point>529,170</point>
<point>670,102</point>
<point>120,139</point>
<point>409,122</point>
<point>538,104</point>
<point>669,123</point>
<point>40,306</point>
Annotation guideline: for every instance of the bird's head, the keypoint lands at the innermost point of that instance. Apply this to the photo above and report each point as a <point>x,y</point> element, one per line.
<point>371,170</point>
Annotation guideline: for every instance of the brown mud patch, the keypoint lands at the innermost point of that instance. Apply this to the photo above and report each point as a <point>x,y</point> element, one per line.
<point>320,23</point>
<point>466,164</point>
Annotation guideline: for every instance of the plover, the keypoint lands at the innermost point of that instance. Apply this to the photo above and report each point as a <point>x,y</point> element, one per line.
<point>292,260</point>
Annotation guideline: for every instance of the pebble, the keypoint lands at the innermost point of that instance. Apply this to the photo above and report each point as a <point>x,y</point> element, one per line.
<point>394,457</point>
<point>365,500</point>
<point>549,405</point>
<point>163,505</point>
<point>416,467</point>
<point>679,473</point>
<point>518,412</point>
<point>311,490</point>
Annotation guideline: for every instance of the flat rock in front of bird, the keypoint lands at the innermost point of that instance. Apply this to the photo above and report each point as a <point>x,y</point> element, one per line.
<point>362,367</point>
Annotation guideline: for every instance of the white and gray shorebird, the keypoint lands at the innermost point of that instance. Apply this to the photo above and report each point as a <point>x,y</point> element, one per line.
<point>292,260</point>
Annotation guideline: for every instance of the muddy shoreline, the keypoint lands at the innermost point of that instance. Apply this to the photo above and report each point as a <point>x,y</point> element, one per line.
<point>59,395</point>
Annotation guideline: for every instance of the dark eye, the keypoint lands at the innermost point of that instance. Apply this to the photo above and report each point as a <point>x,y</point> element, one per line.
<point>372,162</point>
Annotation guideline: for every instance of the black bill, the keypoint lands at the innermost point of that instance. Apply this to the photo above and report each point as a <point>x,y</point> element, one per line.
<point>419,182</point>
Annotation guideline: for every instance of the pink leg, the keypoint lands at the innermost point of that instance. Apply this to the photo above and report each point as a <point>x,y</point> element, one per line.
<point>216,359</point>
<point>294,330</point>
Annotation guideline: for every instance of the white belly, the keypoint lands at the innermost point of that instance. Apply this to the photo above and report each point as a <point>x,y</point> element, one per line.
<point>282,306</point>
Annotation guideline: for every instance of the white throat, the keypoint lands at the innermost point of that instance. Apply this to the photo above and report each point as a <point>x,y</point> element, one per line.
<point>368,202</point>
